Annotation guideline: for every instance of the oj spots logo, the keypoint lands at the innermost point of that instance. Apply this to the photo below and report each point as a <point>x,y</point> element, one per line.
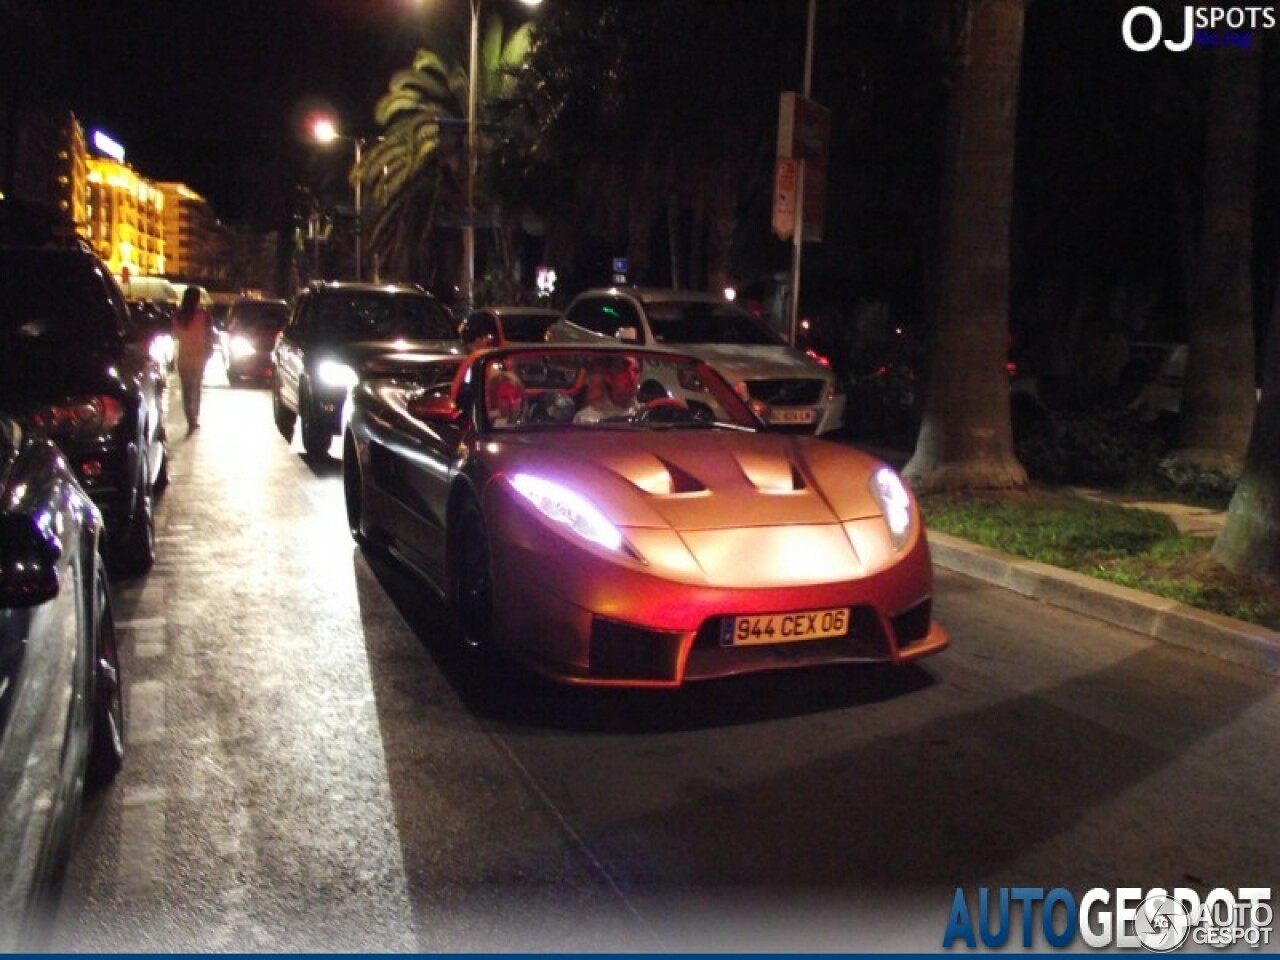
<point>1143,28</point>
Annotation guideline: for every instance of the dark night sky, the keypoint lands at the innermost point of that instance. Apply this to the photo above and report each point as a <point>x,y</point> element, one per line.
<point>213,93</point>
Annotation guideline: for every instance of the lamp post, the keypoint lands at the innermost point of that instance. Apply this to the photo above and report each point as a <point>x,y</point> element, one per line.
<point>468,227</point>
<point>324,131</point>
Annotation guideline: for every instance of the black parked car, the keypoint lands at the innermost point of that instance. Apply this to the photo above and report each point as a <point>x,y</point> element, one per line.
<point>74,364</point>
<point>249,337</point>
<point>61,706</point>
<point>336,331</point>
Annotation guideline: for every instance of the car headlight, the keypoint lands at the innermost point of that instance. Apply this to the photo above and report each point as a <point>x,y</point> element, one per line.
<point>334,374</point>
<point>161,348</point>
<point>572,509</point>
<point>895,503</point>
<point>241,347</point>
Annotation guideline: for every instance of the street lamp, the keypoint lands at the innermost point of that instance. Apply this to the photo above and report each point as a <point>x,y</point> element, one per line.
<point>323,130</point>
<point>468,228</point>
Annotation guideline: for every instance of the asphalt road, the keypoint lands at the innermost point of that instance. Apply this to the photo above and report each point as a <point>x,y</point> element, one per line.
<point>310,769</point>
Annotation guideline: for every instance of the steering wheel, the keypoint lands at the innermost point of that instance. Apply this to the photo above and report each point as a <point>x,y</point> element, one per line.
<point>665,410</point>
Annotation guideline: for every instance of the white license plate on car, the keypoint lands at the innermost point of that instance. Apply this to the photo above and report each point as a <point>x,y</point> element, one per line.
<point>784,627</point>
<point>791,416</point>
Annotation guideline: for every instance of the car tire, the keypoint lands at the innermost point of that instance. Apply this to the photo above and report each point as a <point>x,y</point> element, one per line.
<point>315,439</point>
<point>353,491</point>
<point>284,417</point>
<point>473,592</point>
<point>106,737</point>
<point>162,478</point>
<point>135,549</point>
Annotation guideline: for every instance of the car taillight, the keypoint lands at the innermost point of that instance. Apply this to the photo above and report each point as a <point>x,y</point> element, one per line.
<point>80,417</point>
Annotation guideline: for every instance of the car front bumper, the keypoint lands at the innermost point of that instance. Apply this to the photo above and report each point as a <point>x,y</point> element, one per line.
<point>580,616</point>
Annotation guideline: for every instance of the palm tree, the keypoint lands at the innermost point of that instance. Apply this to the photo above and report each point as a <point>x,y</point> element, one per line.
<point>1250,539</point>
<point>413,173</point>
<point>411,168</point>
<point>966,437</point>
<point>1218,401</point>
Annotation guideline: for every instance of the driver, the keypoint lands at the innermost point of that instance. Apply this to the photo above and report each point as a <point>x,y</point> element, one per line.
<point>619,397</point>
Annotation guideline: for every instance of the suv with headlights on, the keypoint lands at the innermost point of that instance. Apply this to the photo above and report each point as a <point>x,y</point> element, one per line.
<point>336,330</point>
<point>789,389</point>
<point>74,363</point>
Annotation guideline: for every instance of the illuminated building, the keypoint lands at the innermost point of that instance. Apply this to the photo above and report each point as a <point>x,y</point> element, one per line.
<point>196,243</point>
<point>125,212</point>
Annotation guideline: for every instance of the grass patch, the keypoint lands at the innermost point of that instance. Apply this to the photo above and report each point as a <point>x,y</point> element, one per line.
<point>1134,548</point>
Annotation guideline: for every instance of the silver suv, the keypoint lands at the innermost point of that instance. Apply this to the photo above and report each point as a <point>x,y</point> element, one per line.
<point>789,389</point>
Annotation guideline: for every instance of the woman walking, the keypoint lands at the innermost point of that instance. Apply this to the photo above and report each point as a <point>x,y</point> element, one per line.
<point>193,333</point>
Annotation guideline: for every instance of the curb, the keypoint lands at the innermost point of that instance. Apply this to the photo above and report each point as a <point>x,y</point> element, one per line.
<point>1246,644</point>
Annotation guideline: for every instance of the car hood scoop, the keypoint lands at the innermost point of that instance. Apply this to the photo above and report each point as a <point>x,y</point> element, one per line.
<point>722,481</point>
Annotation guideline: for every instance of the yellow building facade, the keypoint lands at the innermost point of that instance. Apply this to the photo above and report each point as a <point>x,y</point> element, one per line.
<point>124,218</point>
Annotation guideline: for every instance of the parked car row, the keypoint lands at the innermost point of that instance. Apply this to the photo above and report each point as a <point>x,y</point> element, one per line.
<point>82,456</point>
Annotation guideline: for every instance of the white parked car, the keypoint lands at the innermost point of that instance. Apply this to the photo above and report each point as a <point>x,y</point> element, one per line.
<point>790,389</point>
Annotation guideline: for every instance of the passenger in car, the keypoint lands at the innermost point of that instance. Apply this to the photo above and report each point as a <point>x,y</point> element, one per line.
<point>504,397</point>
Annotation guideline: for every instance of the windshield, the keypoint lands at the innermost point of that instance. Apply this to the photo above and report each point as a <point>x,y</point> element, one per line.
<point>259,316</point>
<point>379,316</point>
<point>51,298</point>
<point>525,328</point>
<point>606,389</point>
<point>702,322</point>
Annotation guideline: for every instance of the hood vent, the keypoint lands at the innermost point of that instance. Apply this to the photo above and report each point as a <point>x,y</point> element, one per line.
<point>770,474</point>
<point>682,481</point>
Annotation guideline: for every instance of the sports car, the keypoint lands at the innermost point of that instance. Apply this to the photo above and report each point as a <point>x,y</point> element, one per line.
<point>681,540</point>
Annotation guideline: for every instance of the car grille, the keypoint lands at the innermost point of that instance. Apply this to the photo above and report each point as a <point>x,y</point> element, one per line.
<point>620,651</point>
<point>912,625</point>
<point>786,393</point>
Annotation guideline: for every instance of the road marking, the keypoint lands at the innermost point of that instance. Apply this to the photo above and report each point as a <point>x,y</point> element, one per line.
<point>143,623</point>
<point>148,635</point>
<point>146,712</point>
<point>142,820</point>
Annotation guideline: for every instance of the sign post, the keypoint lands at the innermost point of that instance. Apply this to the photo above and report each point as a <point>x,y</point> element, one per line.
<point>804,132</point>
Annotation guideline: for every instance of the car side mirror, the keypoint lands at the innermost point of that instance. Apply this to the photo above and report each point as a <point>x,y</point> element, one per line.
<point>435,408</point>
<point>628,334</point>
<point>29,565</point>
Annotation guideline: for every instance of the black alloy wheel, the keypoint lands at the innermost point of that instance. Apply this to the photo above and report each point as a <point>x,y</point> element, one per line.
<point>353,490</point>
<point>315,438</point>
<point>473,599</point>
<point>284,417</point>
<point>134,551</point>
<point>106,738</point>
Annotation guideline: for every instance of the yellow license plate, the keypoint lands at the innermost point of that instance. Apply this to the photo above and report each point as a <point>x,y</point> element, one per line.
<point>784,627</point>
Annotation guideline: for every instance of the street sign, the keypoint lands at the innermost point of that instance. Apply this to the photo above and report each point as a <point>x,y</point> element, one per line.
<point>804,134</point>
<point>785,175</point>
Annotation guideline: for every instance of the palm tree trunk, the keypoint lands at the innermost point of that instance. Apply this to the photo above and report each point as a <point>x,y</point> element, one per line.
<point>966,438</point>
<point>1218,398</point>
<point>1249,542</point>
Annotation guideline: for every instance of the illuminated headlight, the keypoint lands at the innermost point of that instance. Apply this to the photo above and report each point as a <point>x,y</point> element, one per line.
<point>565,506</point>
<point>895,502</point>
<point>242,347</point>
<point>334,374</point>
<point>161,348</point>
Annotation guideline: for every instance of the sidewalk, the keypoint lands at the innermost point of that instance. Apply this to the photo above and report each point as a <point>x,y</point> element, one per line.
<point>1228,639</point>
<point>1212,634</point>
